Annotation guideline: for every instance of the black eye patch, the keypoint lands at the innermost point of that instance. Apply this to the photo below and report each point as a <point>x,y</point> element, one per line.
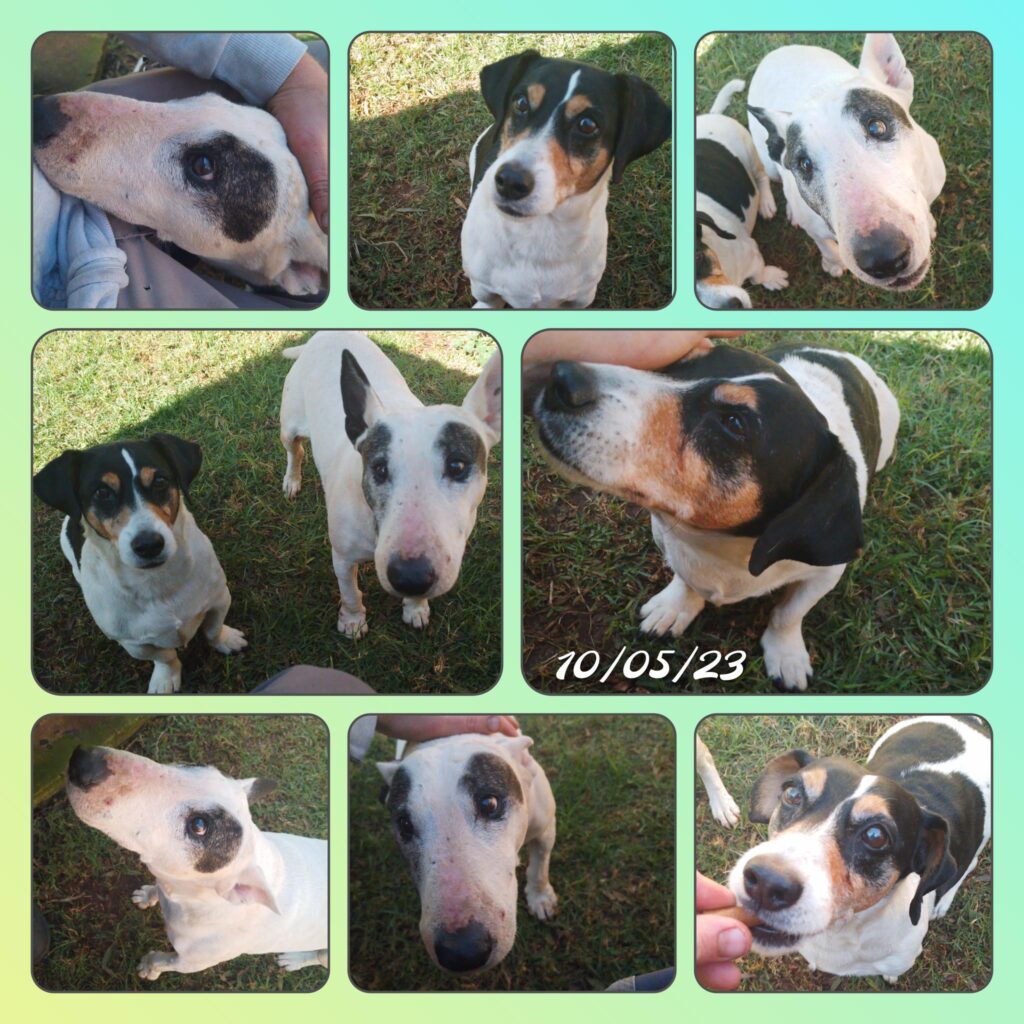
<point>234,184</point>
<point>459,443</point>
<point>375,449</point>
<point>215,835</point>
<point>488,775</point>
<point>866,105</point>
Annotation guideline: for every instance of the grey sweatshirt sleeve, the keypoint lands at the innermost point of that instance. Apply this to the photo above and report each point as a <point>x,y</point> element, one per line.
<point>254,63</point>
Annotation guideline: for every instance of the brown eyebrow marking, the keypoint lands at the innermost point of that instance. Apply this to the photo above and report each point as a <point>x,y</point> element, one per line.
<point>535,94</point>
<point>868,805</point>
<point>577,105</point>
<point>146,475</point>
<point>736,394</point>
<point>814,783</point>
<point>112,480</point>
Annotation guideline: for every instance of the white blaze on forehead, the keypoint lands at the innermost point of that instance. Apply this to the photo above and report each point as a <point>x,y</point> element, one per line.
<point>573,82</point>
<point>131,464</point>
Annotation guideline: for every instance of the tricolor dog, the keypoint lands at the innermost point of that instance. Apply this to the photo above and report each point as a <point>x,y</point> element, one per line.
<point>858,172</point>
<point>215,178</point>
<point>755,469</point>
<point>732,189</point>
<point>536,232</point>
<point>149,575</point>
<point>859,859</point>
<point>402,481</point>
<point>224,887</point>
<point>461,809</point>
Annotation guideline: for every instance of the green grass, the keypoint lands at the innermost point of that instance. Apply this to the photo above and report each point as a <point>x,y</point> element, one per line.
<point>82,881</point>
<point>415,111</point>
<point>957,954</point>
<point>911,615</point>
<point>223,390</point>
<point>953,102</point>
<point>613,867</point>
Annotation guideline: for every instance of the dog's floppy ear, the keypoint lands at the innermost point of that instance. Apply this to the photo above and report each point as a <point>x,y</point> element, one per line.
<point>307,260</point>
<point>497,79</point>
<point>882,60</point>
<point>483,399</point>
<point>704,220</point>
<point>645,122</point>
<point>824,526</point>
<point>57,483</point>
<point>362,406</point>
<point>251,886</point>
<point>931,860</point>
<point>775,123</point>
<point>765,795</point>
<point>184,456</point>
<point>257,788</point>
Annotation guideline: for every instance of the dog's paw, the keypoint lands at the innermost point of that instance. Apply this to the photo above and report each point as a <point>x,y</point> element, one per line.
<point>724,809</point>
<point>352,624</point>
<point>670,610</point>
<point>164,679</point>
<point>766,203</point>
<point>297,961</point>
<point>291,485</point>
<point>542,903</point>
<point>774,278</point>
<point>146,897</point>
<point>786,661</point>
<point>229,640</point>
<point>415,613</point>
<point>152,965</point>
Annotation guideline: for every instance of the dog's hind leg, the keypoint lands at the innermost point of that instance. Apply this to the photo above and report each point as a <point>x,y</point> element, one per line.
<point>296,452</point>
<point>296,961</point>
<point>671,610</point>
<point>351,611</point>
<point>785,655</point>
<point>540,896</point>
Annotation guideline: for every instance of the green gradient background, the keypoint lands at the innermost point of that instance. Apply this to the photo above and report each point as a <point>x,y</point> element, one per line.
<point>1000,702</point>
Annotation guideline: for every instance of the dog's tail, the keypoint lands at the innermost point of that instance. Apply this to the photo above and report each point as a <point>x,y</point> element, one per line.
<point>725,95</point>
<point>292,353</point>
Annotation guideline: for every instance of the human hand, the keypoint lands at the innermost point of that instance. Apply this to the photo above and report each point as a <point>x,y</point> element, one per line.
<point>418,728</point>
<point>720,940</point>
<point>301,106</point>
<point>643,350</point>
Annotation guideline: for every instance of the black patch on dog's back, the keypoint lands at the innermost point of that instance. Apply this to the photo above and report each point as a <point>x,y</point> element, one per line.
<point>721,177</point>
<point>859,397</point>
<point>242,194</point>
<point>459,441</point>
<point>217,847</point>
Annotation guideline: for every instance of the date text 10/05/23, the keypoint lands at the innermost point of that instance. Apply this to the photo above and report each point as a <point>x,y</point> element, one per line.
<point>659,665</point>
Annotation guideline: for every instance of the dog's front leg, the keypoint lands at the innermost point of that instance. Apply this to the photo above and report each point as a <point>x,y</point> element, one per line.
<point>146,897</point>
<point>723,808</point>
<point>415,612</point>
<point>153,964</point>
<point>540,896</point>
<point>785,655</point>
<point>166,677</point>
<point>223,639</point>
<point>296,961</point>
<point>671,610</point>
<point>351,611</point>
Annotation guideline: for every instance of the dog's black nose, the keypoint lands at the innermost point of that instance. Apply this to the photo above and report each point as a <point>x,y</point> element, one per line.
<point>571,387</point>
<point>47,119</point>
<point>883,253</point>
<point>465,949</point>
<point>769,888</point>
<point>87,767</point>
<point>147,544</point>
<point>732,303</point>
<point>513,181</point>
<point>412,577</point>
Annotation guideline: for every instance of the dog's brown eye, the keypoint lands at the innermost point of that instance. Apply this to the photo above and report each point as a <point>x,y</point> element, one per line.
<point>160,486</point>
<point>405,827</point>
<point>521,104</point>
<point>489,806</point>
<point>733,423</point>
<point>203,167</point>
<point>805,165</point>
<point>875,838</point>
<point>792,796</point>
<point>877,128</point>
<point>586,126</point>
<point>379,469</point>
<point>456,469</point>
<point>197,825</point>
<point>103,495</point>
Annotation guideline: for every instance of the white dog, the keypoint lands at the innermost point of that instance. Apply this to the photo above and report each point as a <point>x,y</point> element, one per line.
<point>215,178</point>
<point>461,808</point>
<point>402,481</point>
<point>149,575</point>
<point>858,172</point>
<point>224,887</point>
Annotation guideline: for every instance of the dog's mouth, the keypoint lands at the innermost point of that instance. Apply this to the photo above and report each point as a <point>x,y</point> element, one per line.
<point>512,211</point>
<point>151,563</point>
<point>767,936</point>
<point>904,282</point>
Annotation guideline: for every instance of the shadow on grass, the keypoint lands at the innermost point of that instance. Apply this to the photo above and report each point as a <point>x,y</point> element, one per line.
<point>912,615</point>
<point>953,102</point>
<point>613,867</point>
<point>82,881</point>
<point>957,954</point>
<point>277,558</point>
<point>409,191</point>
